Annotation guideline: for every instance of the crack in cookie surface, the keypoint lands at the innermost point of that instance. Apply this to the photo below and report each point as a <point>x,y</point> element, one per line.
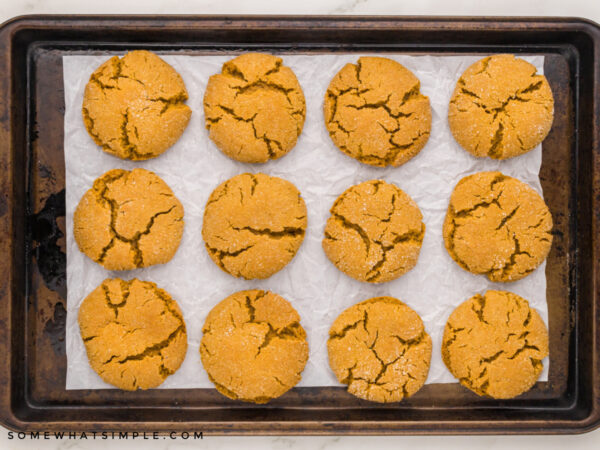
<point>125,101</point>
<point>497,226</point>
<point>134,333</point>
<point>128,220</point>
<point>253,225</point>
<point>254,108</point>
<point>380,349</point>
<point>374,233</point>
<point>375,113</point>
<point>494,344</point>
<point>501,107</point>
<point>253,346</point>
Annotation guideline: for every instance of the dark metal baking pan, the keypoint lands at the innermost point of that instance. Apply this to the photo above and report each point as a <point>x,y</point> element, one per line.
<point>32,228</point>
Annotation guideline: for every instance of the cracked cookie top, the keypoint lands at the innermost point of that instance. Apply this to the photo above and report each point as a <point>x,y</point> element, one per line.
<point>494,344</point>
<point>501,107</point>
<point>374,233</point>
<point>380,349</point>
<point>133,332</point>
<point>253,225</point>
<point>133,107</point>
<point>497,226</point>
<point>375,112</point>
<point>128,220</point>
<point>254,108</point>
<point>253,346</point>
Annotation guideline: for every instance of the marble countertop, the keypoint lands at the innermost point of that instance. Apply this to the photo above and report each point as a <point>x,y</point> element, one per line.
<point>581,8</point>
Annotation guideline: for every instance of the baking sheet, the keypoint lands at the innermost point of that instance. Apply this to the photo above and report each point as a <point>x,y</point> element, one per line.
<point>193,167</point>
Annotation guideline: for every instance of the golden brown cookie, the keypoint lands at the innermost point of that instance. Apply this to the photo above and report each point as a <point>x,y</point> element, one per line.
<point>494,344</point>
<point>501,107</point>
<point>128,220</point>
<point>254,108</point>
<point>497,226</point>
<point>380,349</point>
<point>253,225</point>
<point>133,332</point>
<point>375,112</point>
<point>253,348</point>
<point>374,233</point>
<point>133,107</point>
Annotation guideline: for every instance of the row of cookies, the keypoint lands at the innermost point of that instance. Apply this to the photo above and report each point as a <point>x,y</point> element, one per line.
<point>373,110</point>
<point>254,348</point>
<point>254,225</point>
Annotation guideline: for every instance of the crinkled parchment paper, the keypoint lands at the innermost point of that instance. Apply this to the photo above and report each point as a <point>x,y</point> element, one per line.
<point>193,167</point>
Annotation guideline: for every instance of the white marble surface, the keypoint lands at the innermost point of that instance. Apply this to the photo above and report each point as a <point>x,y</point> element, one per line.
<point>582,8</point>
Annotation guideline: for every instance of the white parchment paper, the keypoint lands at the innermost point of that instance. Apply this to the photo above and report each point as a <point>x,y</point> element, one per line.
<point>193,167</point>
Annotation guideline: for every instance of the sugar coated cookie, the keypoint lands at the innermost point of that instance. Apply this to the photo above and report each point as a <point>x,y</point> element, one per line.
<point>497,226</point>
<point>494,344</point>
<point>374,233</point>
<point>133,107</point>
<point>254,108</point>
<point>254,225</point>
<point>133,332</point>
<point>375,112</point>
<point>380,349</point>
<point>501,107</point>
<point>128,220</point>
<point>253,347</point>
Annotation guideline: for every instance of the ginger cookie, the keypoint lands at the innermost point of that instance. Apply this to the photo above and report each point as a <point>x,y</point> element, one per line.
<point>253,225</point>
<point>375,112</point>
<point>133,107</point>
<point>254,108</point>
<point>374,233</point>
<point>494,344</point>
<point>501,107</point>
<point>380,349</point>
<point>253,346</point>
<point>134,333</point>
<point>497,226</point>
<point>128,220</point>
